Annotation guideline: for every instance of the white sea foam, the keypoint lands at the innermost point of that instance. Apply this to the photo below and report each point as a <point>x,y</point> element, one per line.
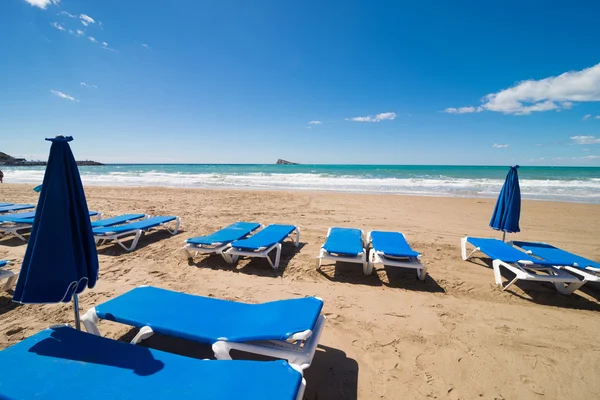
<point>587,190</point>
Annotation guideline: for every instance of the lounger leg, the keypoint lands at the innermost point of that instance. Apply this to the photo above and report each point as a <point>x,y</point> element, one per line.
<point>144,333</point>
<point>422,273</point>
<point>221,350</point>
<point>136,239</point>
<point>367,268</point>
<point>174,231</point>
<point>568,289</point>
<point>497,275</point>
<point>90,322</point>
<point>320,259</point>
<point>277,256</point>
<point>297,242</point>
<point>301,390</point>
<point>463,247</point>
<point>10,282</point>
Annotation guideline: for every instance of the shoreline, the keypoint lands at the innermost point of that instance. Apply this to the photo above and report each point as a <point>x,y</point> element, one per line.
<point>307,191</point>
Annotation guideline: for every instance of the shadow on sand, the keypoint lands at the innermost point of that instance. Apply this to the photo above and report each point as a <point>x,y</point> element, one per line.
<point>147,239</point>
<point>404,278</point>
<point>332,375</point>
<point>543,293</point>
<point>250,266</point>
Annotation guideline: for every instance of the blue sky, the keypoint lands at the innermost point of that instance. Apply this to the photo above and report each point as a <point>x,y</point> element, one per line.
<point>426,82</point>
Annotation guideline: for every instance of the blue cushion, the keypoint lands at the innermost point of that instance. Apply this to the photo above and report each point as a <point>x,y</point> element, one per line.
<point>233,232</point>
<point>121,219</point>
<point>392,244</point>
<point>498,250</point>
<point>3,263</point>
<point>16,207</point>
<point>344,242</point>
<point>143,224</point>
<point>27,217</point>
<point>267,237</point>
<point>557,256</point>
<point>60,363</point>
<point>205,319</point>
<point>5,204</point>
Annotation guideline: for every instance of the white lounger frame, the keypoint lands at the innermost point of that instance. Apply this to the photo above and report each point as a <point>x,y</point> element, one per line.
<point>13,228</point>
<point>299,349</point>
<point>7,229</point>
<point>10,276</point>
<point>379,258</point>
<point>589,274</point>
<point>232,254</point>
<point>192,249</point>
<point>360,258</point>
<point>525,270</point>
<point>102,239</point>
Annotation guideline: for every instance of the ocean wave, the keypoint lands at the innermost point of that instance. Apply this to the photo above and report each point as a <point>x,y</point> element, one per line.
<point>584,190</point>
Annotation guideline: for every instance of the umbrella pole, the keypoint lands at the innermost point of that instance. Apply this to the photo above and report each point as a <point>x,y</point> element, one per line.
<point>76,307</point>
<point>504,236</point>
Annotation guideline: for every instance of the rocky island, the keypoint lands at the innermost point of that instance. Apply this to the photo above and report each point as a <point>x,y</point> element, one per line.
<point>284,162</point>
<point>5,159</point>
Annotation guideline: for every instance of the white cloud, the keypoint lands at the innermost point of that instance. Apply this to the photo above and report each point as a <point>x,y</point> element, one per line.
<point>499,146</point>
<point>585,139</point>
<point>552,93</point>
<point>104,44</point>
<point>597,117</point>
<point>88,86</point>
<point>42,3</point>
<point>308,127</point>
<point>92,39</point>
<point>86,19</point>
<point>67,14</point>
<point>587,116</point>
<point>63,95</point>
<point>315,122</point>
<point>146,46</point>
<point>586,149</point>
<point>79,32</point>
<point>462,110</point>
<point>377,118</point>
<point>58,26</point>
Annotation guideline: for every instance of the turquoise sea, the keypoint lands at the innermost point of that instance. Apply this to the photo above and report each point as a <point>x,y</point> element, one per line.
<point>576,184</point>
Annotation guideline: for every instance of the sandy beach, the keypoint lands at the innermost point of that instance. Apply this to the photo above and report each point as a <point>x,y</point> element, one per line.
<point>387,336</point>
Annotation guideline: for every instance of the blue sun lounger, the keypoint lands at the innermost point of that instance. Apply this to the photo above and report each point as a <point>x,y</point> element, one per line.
<point>61,362</point>
<point>345,244</point>
<point>262,243</point>
<point>15,207</point>
<point>524,266</point>
<point>588,269</point>
<point>5,204</point>
<point>115,233</point>
<point>219,241</point>
<point>11,224</point>
<point>10,276</point>
<point>287,329</point>
<point>118,220</point>
<point>392,249</point>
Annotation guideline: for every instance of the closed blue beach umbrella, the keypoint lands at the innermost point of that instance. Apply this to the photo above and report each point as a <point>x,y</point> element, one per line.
<point>61,258</point>
<point>508,207</point>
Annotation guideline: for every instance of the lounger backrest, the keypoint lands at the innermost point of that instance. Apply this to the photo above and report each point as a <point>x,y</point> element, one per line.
<point>558,256</point>
<point>344,241</point>
<point>228,234</point>
<point>121,219</point>
<point>133,226</point>
<point>498,250</point>
<point>269,236</point>
<point>392,244</point>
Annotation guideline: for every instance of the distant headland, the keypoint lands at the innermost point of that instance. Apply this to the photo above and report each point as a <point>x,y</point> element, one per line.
<point>5,159</point>
<point>284,162</point>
